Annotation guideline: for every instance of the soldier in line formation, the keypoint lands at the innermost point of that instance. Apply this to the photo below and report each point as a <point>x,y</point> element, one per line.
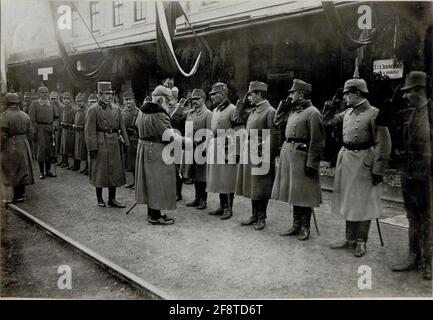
<point>361,161</point>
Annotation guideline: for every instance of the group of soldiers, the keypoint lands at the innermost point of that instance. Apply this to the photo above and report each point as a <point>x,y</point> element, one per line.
<point>133,138</point>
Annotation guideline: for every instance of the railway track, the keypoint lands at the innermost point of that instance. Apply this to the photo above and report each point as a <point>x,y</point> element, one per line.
<point>110,266</point>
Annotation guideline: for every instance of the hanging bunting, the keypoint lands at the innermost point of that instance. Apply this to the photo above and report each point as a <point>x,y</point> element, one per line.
<point>79,79</point>
<point>166,14</point>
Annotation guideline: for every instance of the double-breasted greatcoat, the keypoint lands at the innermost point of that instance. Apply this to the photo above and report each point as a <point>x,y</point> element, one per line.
<point>67,144</point>
<point>43,114</point>
<point>302,148</point>
<point>80,142</point>
<point>257,186</point>
<point>104,131</point>
<point>354,195</point>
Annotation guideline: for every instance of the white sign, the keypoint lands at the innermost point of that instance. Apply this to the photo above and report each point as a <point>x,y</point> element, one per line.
<point>388,67</point>
<point>45,72</point>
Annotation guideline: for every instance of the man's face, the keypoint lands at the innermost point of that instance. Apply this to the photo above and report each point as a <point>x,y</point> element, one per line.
<point>296,97</point>
<point>412,97</point>
<point>53,99</point>
<point>128,102</point>
<point>27,99</point>
<point>352,98</point>
<point>217,98</point>
<point>107,96</point>
<point>197,102</point>
<point>254,98</point>
<point>43,95</point>
<point>80,103</point>
<point>66,100</point>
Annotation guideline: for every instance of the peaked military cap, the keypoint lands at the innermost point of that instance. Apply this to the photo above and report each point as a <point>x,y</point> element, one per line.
<point>300,85</point>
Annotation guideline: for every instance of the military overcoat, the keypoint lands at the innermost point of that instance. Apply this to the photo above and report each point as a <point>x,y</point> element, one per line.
<point>80,152</point>
<point>104,131</point>
<point>67,144</point>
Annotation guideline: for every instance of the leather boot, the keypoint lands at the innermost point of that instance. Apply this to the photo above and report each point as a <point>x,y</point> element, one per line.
<point>112,198</point>
<point>193,203</point>
<point>350,241</point>
<point>254,217</point>
<point>411,262</point>
<point>202,205</point>
<point>304,232</point>
<point>425,268</point>
<point>261,222</point>
<point>101,202</point>
<point>361,248</point>
<point>222,207</point>
<point>294,230</point>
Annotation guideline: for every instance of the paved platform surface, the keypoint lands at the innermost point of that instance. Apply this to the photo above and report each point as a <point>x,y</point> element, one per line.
<point>202,257</point>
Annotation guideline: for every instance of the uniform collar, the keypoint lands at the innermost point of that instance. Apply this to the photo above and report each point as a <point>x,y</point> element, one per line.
<point>14,108</point>
<point>304,105</point>
<point>43,102</point>
<point>103,104</point>
<point>223,105</point>
<point>361,106</point>
<point>261,106</point>
<point>200,110</point>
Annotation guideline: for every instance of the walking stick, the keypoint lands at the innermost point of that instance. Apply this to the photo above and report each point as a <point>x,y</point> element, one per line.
<point>380,233</point>
<point>130,209</point>
<point>315,221</point>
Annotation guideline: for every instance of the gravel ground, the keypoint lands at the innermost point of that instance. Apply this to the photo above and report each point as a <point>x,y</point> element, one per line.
<point>202,257</point>
<point>29,267</point>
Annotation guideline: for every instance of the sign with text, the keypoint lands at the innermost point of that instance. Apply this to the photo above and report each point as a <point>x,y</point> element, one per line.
<point>388,67</point>
<point>45,72</point>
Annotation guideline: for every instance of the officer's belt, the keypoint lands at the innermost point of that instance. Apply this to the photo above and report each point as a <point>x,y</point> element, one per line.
<point>78,128</point>
<point>67,125</point>
<point>357,146</point>
<point>44,123</point>
<point>296,140</point>
<point>107,131</point>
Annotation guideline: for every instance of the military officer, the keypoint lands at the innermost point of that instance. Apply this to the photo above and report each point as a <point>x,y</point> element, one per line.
<point>80,150</point>
<point>297,179</point>
<point>54,98</point>
<point>130,113</point>
<point>416,176</point>
<point>16,161</point>
<point>43,114</point>
<point>104,132</point>
<point>27,101</point>
<point>155,183</point>
<point>257,186</point>
<point>67,146</point>
<point>360,166</point>
<point>221,177</point>
<point>198,118</point>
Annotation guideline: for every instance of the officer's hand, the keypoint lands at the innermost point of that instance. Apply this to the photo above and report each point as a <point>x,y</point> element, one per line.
<point>377,179</point>
<point>310,172</point>
<point>93,154</point>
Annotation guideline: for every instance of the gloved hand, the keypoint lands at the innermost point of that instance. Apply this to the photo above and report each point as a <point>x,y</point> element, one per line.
<point>93,153</point>
<point>377,179</point>
<point>310,172</point>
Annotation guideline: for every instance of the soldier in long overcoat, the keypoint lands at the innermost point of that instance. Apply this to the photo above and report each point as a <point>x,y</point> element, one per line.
<point>221,171</point>
<point>80,152</point>
<point>297,179</point>
<point>416,170</point>
<point>104,132</point>
<point>155,182</point>
<point>197,118</point>
<point>43,114</point>
<point>130,114</point>
<point>361,164</point>
<point>262,139</point>
<point>16,158</point>
<point>67,144</point>
<point>54,98</point>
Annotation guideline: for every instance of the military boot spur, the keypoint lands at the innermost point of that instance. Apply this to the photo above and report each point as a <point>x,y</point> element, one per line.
<point>361,248</point>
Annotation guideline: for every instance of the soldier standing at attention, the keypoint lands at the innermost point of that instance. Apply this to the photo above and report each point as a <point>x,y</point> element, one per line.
<point>297,180</point>
<point>104,131</point>
<point>43,114</point>
<point>80,152</point>
<point>54,98</point>
<point>361,164</point>
<point>221,177</point>
<point>16,158</point>
<point>67,147</point>
<point>257,187</point>
<point>416,176</point>
<point>130,113</point>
